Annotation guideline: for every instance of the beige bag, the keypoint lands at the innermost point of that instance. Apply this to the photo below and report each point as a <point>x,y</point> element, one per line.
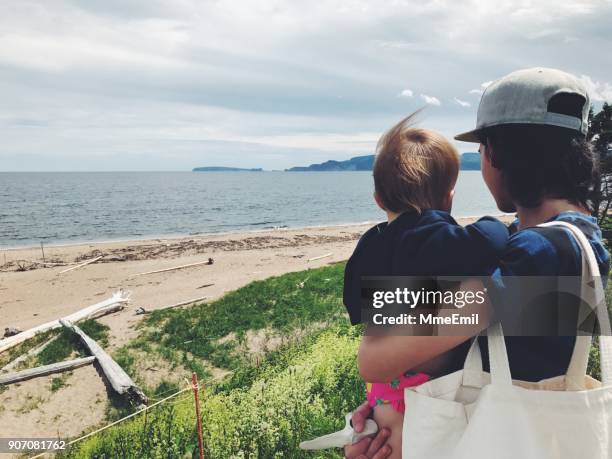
<point>477,415</point>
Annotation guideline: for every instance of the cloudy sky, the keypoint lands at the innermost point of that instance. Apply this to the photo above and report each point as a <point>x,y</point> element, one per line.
<point>169,85</point>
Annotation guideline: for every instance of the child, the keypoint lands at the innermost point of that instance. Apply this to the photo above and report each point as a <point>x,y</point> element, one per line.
<point>415,172</point>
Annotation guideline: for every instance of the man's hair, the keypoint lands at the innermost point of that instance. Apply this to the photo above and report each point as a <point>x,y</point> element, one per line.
<point>414,168</point>
<point>540,162</point>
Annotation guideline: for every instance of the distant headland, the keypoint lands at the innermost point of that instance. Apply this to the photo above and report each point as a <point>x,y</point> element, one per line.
<point>224,169</point>
<point>469,162</point>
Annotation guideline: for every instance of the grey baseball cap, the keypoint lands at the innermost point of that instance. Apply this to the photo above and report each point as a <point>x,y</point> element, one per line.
<point>524,97</point>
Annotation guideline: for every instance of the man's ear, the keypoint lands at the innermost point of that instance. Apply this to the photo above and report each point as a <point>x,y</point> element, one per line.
<point>379,201</point>
<point>489,154</point>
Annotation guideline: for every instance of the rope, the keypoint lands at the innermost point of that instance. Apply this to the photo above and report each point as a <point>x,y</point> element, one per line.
<point>189,387</point>
<point>120,420</point>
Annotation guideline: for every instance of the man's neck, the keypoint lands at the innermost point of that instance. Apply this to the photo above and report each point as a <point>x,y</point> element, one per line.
<point>532,216</point>
<point>391,216</point>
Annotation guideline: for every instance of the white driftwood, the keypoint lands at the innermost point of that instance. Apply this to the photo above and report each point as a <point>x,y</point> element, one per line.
<point>31,353</point>
<point>45,370</point>
<point>115,303</point>
<point>118,379</point>
<point>322,256</point>
<point>177,305</point>
<point>88,262</point>
<point>205,285</point>
<point>46,263</point>
<point>207,262</point>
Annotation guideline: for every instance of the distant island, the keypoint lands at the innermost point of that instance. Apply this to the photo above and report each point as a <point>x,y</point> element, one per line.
<point>358,163</point>
<point>224,169</point>
<point>469,162</point>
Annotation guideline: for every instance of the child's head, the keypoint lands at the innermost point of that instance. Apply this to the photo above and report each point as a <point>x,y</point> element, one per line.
<point>415,169</point>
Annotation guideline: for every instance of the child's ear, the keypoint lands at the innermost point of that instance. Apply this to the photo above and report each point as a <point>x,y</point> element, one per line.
<point>447,203</point>
<point>379,201</point>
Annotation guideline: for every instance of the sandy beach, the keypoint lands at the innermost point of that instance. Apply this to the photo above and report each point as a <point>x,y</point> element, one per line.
<point>32,293</point>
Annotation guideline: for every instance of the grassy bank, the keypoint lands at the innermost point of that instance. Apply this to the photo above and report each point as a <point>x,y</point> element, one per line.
<point>277,359</point>
<point>303,391</point>
<point>235,334</point>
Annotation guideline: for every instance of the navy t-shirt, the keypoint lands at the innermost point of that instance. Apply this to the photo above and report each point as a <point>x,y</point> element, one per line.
<point>543,252</point>
<point>430,243</point>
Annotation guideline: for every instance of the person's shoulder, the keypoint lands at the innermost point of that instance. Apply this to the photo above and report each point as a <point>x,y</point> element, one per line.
<point>440,217</point>
<point>531,251</point>
<point>486,233</point>
<point>372,233</point>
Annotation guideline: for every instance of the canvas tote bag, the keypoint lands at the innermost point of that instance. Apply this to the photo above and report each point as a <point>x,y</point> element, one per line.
<point>477,415</point>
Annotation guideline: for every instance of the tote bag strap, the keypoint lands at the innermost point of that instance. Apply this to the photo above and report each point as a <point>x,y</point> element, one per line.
<point>498,360</point>
<point>592,293</point>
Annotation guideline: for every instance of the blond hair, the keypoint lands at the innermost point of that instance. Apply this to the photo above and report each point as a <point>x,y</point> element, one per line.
<point>415,168</point>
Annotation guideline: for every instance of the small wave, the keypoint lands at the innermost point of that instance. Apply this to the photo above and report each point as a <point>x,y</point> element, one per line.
<point>266,222</point>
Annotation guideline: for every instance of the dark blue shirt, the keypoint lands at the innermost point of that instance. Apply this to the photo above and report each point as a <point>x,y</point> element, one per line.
<point>430,243</point>
<point>545,252</point>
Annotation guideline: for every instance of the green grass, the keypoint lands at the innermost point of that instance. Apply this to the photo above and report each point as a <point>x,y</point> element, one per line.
<point>59,381</point>
<point>302,392</point>
<point>215,336</point>
<point>300,385</point>
<point>20,349</point>
<point>67,343</point>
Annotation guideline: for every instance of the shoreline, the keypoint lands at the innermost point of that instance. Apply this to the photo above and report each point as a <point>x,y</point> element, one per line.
<point>236,232</point>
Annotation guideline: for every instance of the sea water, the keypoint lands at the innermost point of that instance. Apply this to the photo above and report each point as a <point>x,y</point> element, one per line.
<point>68,207</point>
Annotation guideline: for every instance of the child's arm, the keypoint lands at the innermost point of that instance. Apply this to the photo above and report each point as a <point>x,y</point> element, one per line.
<point>402,353</point>
<point>471,250</point>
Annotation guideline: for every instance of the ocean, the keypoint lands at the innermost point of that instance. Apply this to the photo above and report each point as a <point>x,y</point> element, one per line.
<point>66,207</point>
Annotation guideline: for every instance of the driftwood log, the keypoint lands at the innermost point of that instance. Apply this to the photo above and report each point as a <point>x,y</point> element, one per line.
<point>176,305</point>
<point>321,256</point>
<point>88,262</point>
<point>45,370</point>
<point>210,261</point>
<point>31,353</point>
<point>118,301</point>
<point>118,379</point>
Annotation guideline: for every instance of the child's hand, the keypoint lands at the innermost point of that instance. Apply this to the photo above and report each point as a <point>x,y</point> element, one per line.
<point>367,448</point>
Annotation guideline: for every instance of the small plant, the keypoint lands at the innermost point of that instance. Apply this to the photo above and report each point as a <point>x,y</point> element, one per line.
<point>58,382</point>
<point>31,403</point>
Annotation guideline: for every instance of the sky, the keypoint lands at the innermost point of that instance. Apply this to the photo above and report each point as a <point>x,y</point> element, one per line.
<point>110,85</point>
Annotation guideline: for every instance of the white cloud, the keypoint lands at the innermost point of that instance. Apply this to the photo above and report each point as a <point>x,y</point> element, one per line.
<point>431,100</point>
<point>483,86</point>
<point>463,103</point>
<point>125,80</point>
<point>599,91</point>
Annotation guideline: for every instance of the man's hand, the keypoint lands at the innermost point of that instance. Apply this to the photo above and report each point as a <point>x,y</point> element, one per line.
<point>367,448</point>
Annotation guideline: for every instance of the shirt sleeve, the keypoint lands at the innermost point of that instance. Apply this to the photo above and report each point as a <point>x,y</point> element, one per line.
<point>473,250</point>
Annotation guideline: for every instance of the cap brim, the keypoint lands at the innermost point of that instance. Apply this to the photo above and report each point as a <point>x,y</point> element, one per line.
<point>470,136</point>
